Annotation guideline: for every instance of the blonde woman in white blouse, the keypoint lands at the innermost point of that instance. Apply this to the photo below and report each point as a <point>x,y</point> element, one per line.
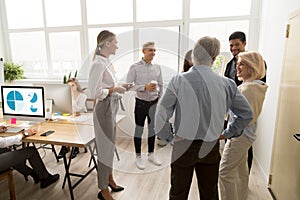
<point>103,87</point>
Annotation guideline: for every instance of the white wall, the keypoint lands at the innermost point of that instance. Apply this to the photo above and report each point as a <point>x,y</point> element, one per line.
<point>275,15</point>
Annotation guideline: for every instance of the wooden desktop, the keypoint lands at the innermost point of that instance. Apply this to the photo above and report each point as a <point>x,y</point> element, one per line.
<point>67,133</point>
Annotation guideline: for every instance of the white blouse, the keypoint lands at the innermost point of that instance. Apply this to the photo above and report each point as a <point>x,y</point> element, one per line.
<point>8,141</point>
<point>101,78</point>
<point>79,103</point>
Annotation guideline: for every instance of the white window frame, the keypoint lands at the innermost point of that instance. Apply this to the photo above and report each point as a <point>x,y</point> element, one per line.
<point>183,24</point>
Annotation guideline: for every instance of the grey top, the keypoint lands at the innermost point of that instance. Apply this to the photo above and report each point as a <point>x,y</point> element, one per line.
<point>142,73</point>
<point>200,99</point>
<point>232,71</point>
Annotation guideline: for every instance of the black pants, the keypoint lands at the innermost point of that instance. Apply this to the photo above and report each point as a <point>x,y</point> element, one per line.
<point>143,110</point>
<point>201,157</point>
<point>17,160</point>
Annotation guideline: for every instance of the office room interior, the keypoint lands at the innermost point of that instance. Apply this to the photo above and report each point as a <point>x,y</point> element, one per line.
<point>52,38</point>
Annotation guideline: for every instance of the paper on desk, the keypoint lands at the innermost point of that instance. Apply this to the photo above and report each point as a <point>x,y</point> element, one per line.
<point>81,118</point>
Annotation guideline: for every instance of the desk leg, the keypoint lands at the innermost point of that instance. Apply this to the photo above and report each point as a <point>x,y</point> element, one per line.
<point>54,151</point>
<point>67,176</point>
<point>92,156</point>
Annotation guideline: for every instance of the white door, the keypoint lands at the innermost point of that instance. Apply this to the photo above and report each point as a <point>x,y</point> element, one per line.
<point>284,180</point>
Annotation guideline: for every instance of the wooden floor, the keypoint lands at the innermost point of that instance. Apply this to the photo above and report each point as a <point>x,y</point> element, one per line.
<point>153,183</point>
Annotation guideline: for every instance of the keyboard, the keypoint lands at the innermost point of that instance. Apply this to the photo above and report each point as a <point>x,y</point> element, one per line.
<point>14,129</point>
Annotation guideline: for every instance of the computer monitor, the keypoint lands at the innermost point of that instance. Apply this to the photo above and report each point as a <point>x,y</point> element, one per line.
<point>26,103</point>
<point>61,97</point>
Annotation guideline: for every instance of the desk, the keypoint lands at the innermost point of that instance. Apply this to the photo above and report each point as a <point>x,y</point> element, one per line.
<point>74,135</point>
<point>87,116</point>
<point>67,134</point>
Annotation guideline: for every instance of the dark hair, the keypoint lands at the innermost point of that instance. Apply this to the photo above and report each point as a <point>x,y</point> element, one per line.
<point>238,35</point>
<point>102,37</point>
<point>187,61</point>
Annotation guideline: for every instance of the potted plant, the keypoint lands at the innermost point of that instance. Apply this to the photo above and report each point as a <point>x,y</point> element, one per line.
<point>12,71</point>
<point>65,77</point>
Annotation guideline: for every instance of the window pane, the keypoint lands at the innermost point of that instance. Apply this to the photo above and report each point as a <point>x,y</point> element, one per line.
<point>63,12</point>
<point>166,44</point>
<point>158,10</point>
<point>24,14</point>
<point>124,54</point>
<point>65,52</point>
<point>112,11</point>
<point>219,8</point>
<point>29,49</point>
<point>220,30</point>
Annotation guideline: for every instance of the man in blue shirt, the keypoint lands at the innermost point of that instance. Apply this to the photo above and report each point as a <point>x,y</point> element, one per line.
<point>148,84</point>
<point>200,99</point>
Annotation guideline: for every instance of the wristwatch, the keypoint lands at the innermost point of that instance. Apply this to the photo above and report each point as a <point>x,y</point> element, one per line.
<point>25,134</point>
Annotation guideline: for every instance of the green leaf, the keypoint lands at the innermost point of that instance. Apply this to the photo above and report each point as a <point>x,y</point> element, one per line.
<point>13,71</point>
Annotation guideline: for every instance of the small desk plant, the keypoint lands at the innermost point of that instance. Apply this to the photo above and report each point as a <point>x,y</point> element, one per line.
<point>65,77</point>
<point>12,71</point>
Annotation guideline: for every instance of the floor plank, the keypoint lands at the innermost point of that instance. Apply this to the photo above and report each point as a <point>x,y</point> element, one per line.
<point>151,183</point>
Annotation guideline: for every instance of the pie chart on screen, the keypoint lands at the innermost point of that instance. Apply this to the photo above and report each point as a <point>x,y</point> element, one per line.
<point>33,100</point>
<point>15,100</point>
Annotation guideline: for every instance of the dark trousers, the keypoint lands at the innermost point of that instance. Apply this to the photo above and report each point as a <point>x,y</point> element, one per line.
<point>201,157</point>
<point>250,158</point>
<point>17,160</point>
<point>143,110</point>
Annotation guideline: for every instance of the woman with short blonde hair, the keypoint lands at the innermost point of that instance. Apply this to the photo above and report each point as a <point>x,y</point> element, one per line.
<point>255,63</point>
<point>234,173</point>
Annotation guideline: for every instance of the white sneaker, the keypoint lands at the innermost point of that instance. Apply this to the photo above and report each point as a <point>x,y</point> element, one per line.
<point>140,163</point>
<point>152,158</point>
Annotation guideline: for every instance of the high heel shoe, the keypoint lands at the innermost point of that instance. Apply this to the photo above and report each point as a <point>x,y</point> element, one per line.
<point>116,189</point>
<point>35,177</point>
<point>100,196</point>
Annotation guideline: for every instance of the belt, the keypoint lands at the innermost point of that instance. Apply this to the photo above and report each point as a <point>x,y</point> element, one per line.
<point>147,102</point>
<point>117,98</point>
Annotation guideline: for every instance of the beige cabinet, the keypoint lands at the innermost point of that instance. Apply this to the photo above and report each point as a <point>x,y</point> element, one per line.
<point>284,179</point>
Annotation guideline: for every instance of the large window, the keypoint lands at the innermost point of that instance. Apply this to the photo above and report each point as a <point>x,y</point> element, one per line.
<point>24,14</point>
<point>65,52</point>
<point>106,12</point>
<point>29,49</point>
<point>220,30</point>
<point>51,41</point>
<point>219,8</point>
<point>62,12</point>
<point>158,10</point>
